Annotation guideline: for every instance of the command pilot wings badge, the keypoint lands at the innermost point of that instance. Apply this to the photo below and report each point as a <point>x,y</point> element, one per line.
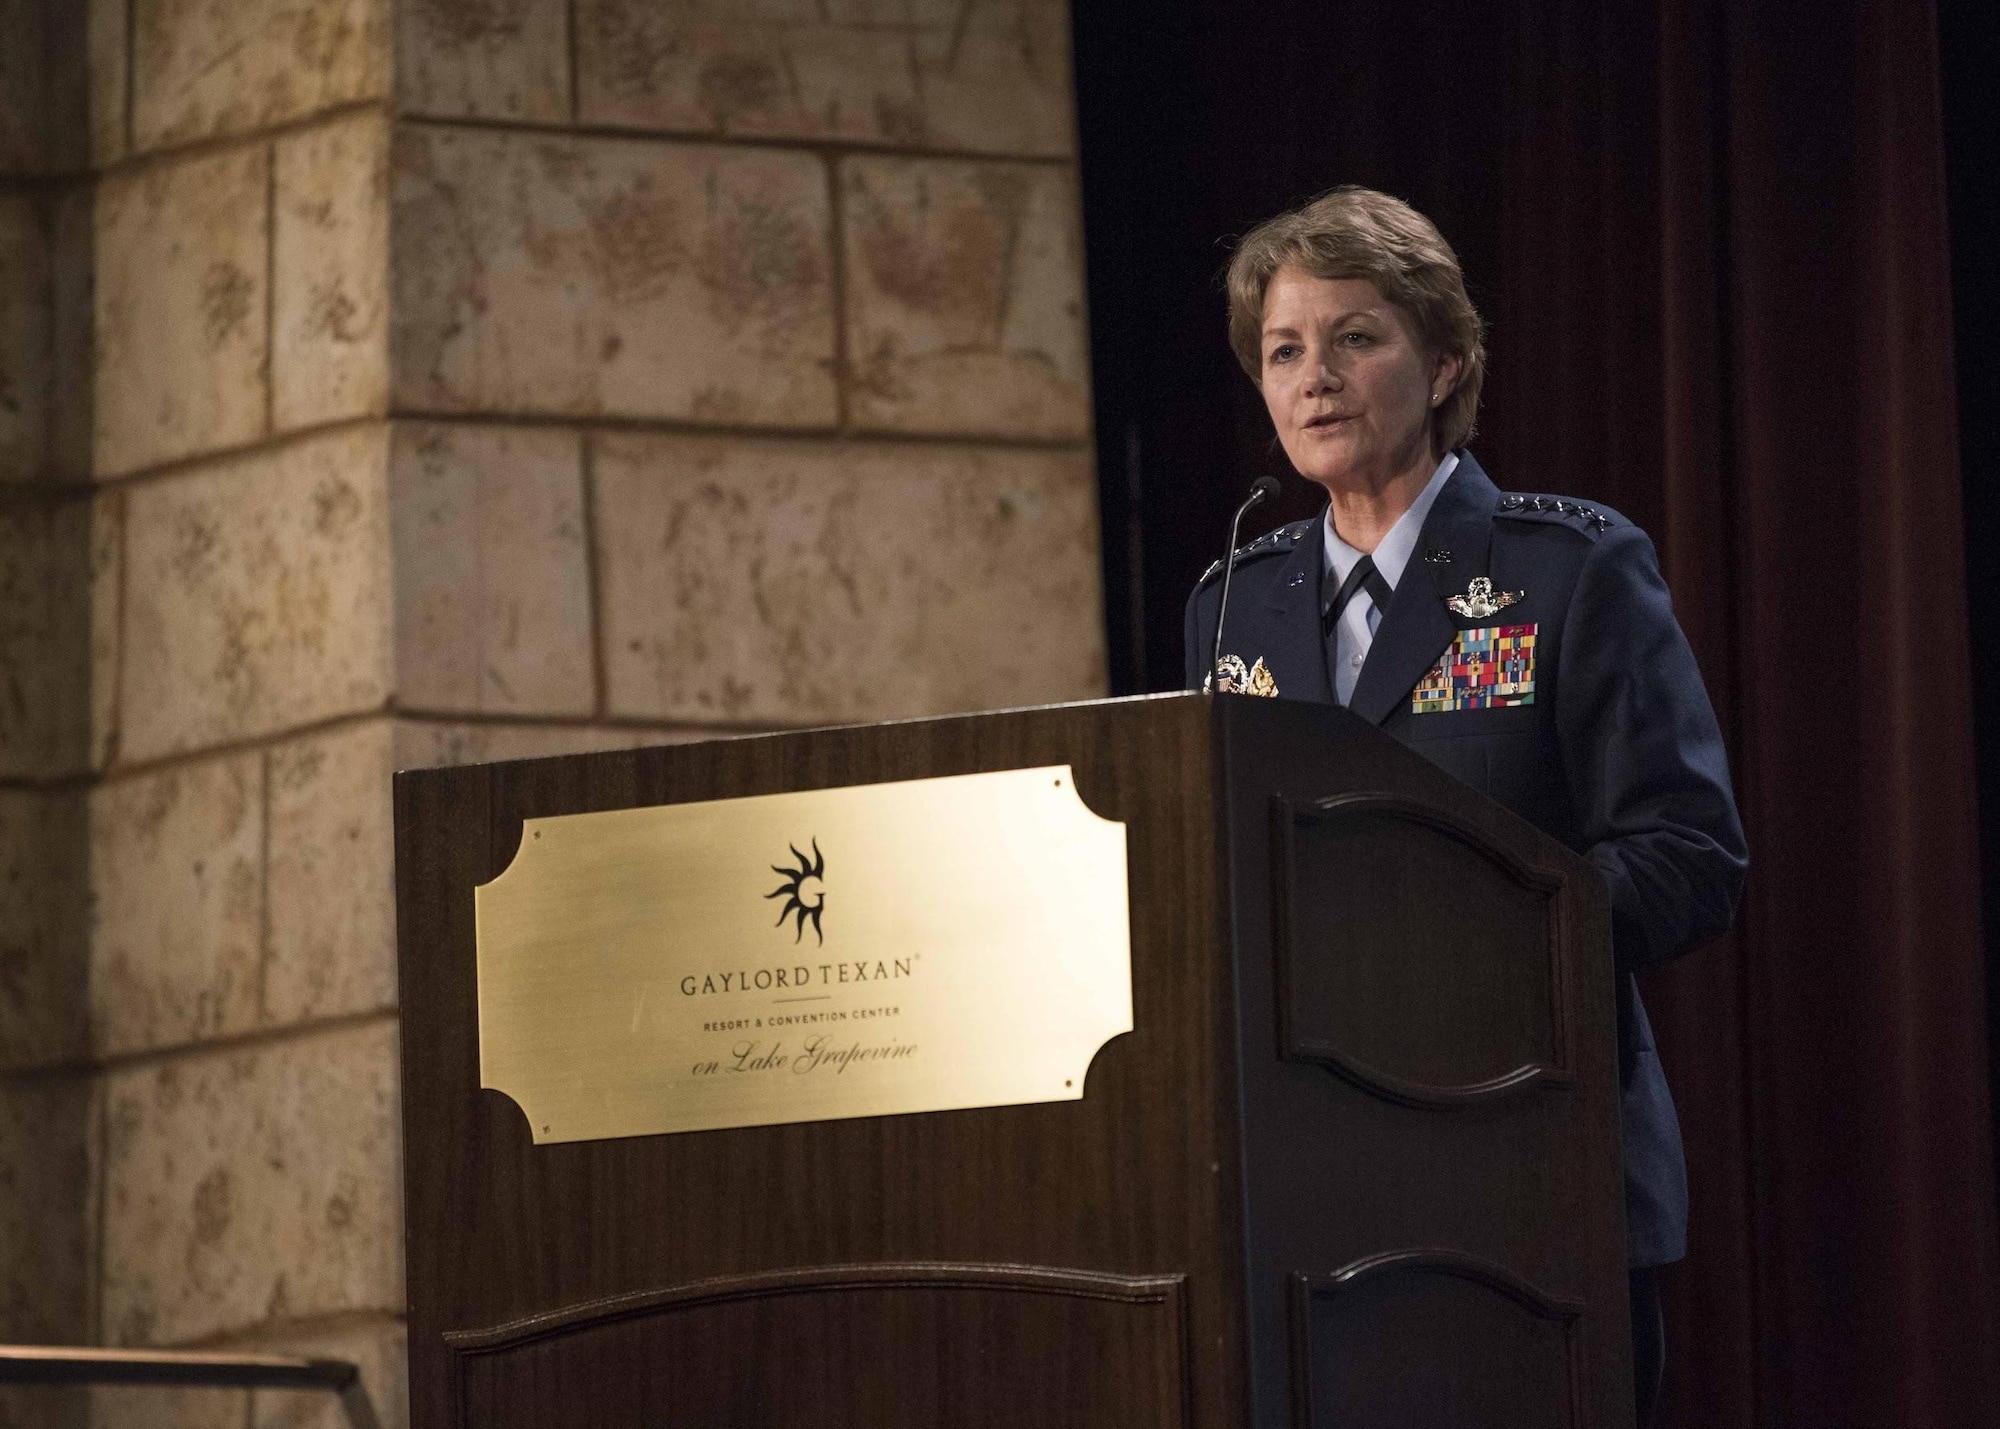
<point>1232,679</point>
<point>1481,600</point>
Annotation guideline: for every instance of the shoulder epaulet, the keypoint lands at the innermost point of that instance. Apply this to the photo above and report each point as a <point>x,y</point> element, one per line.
<point>1559,510</point>
<point>1271,543</point>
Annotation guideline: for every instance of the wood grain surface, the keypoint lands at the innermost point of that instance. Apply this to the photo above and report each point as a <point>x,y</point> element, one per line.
<point>1132,1258</point>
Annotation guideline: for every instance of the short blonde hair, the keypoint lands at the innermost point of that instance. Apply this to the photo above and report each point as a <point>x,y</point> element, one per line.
<point>1352,232</point>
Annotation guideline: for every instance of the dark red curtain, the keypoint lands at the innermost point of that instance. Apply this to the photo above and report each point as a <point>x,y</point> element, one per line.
<point>1833,1057</point>
<point>1711,242</point>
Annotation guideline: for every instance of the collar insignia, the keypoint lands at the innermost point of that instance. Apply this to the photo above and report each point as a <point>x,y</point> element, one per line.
<point>1481,600</point>
<point>1236,680</point>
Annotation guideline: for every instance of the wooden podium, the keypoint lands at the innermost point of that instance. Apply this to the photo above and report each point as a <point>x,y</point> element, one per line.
<point>1357,1163</point>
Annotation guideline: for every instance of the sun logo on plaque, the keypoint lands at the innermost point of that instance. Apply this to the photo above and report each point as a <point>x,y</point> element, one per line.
<point>805,881</point>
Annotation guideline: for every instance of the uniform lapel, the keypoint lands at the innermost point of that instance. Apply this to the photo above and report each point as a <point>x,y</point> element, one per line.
<point>1417,626</point>
<point>1286,629</point>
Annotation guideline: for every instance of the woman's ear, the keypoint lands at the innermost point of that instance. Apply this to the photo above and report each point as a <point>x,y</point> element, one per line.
<point>1444,376</point>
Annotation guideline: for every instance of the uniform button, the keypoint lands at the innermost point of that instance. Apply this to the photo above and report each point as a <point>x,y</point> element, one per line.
<point>1355,660</point>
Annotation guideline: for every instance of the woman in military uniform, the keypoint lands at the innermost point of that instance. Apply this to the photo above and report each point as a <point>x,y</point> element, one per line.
<point>1525,643</point>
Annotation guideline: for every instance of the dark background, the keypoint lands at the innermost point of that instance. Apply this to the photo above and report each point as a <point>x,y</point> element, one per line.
<point>1736,265</point>
<point>1969,48</point>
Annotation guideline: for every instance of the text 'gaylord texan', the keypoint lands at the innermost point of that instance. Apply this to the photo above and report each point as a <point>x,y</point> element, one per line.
<point>797,976</point>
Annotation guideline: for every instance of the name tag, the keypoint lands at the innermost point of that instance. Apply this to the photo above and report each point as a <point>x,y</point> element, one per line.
<point>1487,668</point>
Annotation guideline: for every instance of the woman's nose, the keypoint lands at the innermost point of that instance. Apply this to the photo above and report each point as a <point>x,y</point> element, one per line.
<point>1321,378</point>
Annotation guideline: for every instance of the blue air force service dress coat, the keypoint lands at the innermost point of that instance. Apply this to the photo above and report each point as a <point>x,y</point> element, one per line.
<point>1599,732</point>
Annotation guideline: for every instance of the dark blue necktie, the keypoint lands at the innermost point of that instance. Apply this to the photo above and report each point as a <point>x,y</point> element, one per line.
<point>1364,576</point>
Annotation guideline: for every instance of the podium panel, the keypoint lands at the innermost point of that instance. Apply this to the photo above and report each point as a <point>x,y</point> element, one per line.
<point>1436,1340</point>
<point>1440,1010</point>
<point>859,1346</point>
<point>1356,1161</point>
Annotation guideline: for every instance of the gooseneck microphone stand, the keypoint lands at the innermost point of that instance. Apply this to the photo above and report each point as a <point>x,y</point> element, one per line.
<point>1263,488</point>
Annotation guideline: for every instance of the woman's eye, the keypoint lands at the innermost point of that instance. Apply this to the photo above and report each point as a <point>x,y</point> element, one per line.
<point>1285,352</point>
<point>1356,339</point>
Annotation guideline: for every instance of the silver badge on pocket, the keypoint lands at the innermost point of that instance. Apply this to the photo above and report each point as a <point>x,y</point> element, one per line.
<point>1481,600</point>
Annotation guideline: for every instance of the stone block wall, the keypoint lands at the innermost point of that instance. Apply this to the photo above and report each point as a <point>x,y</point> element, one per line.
<point>399,382</point>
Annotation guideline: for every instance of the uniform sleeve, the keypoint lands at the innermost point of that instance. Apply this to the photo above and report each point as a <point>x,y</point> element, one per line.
<point>1645,759</point>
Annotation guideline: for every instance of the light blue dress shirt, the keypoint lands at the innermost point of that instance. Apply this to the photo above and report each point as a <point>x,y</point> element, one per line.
<point>1356,630</point>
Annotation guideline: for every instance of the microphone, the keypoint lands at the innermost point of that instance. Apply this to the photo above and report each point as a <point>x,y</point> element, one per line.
<point>1263,487</point>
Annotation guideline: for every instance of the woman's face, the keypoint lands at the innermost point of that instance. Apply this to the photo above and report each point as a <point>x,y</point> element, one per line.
<point>1350,388</point>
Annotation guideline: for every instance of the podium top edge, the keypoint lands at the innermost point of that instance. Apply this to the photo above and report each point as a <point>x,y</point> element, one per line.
<point>712,737</point>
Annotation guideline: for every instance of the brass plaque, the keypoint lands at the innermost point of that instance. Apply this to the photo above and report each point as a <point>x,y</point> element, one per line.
<point>884,948</point>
